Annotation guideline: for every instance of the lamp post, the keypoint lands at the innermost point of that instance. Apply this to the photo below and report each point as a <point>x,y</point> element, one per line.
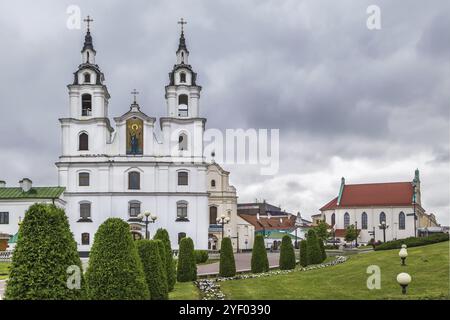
<point>222,221</point>
<point>403,280</point>
<point>383,226</point>
<point>298,223</point>
<point>147,215</point>
<point>403,254</point>
<point>356,238</point>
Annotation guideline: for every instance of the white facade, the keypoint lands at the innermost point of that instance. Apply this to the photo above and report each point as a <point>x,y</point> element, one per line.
<point>118,172</point>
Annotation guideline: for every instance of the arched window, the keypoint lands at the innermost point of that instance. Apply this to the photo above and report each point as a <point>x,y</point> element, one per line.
<point>212,215</point>
<point>183,178</point>
<point>364,221</point>
<point>182,207</point>
<point>87,78</point>
<point>333,219</point>
<point>183,77</point>
<point>183,142</point>
<point>213,183</point>
<point>86,105</point>
<point>85,239</point>
<point>183,105</point>
<point>346,220</point>
<point>83,179</point>
<point>83,142</point>
<point>134,180</point>
<point>382,217</point>
<point>85,210</point>
<point>181,235</point>
<point>401,221</point>
<point>134,208</point>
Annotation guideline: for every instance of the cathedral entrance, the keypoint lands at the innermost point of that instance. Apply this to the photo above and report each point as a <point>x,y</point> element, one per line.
<point>136,235</point>
<point>136,231</point>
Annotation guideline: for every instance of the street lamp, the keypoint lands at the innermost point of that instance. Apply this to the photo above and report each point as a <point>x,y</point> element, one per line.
<point>298,223</point>
<point>403,280</point>
<point>223,220</point>
<point>403,254</point>
<point>383,226</point>
<point>356,239</point>
<point>147,215</point>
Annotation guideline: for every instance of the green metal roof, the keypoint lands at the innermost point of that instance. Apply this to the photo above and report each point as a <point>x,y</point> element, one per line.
<point>276,234</point>
<point>34,193</point>
<point>13,239</point>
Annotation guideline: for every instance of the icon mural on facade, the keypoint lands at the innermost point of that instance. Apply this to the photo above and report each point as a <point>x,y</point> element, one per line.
<point>135,137</point>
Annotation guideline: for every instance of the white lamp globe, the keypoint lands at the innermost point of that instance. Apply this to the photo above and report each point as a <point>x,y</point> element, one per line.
<point>218,220</point>
<point>140,216</point>
<point>227,219</point>
<point>154,217</point>
<point>403,253</point>
<point>147,213</point>
<point>222,216</point>
<point>403,279</point>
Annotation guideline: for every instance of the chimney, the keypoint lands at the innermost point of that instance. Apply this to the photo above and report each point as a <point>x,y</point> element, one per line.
<point>26,184</point>
<point>257,216</point>
<point>2,184</point>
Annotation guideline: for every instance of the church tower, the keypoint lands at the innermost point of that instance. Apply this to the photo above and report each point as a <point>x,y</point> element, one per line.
<point>87,130</point>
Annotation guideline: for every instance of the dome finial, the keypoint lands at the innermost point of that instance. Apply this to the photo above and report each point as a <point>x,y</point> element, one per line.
<point>88,44</point>
<point>182,44</point>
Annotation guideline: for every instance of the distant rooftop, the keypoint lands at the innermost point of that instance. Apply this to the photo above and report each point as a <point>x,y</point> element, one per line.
<point>33,193</point>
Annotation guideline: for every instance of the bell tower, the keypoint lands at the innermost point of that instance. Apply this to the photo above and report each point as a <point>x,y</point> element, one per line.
<point>182,93</point>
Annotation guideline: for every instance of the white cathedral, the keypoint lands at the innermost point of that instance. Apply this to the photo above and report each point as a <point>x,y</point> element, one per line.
<point>124,171</point>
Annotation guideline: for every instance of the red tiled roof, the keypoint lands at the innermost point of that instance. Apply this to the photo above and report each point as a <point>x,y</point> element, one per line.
<point>340,233</point>
<point>273,223</point>
<point>374,194</point>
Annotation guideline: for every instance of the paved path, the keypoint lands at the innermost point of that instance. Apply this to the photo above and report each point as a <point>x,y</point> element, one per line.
<point>2,288</point>
<point>243,262</point>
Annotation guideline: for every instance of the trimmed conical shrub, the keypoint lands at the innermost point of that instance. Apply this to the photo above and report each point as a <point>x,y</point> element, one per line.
<point>186,267</point>
<point>163,235</point>
<point>115,270</point>
<point>322,250</point>
<point>259,262</point>
<point>150,252</point>
<point>313,251</point>
<point>287,254</point>
<point>227,267</point>
<point>45,250</point>
<point>303,253</point>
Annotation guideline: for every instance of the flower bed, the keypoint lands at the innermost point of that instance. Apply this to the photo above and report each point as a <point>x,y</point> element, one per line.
<point>210,289</point>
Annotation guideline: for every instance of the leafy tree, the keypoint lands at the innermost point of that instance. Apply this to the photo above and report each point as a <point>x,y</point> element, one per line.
<point>287,254</point>
<point>321,230</point>
<point>351,233</point>
<point>259,262</point>
<point>163,235</point>
<point>115,270</point>
<point>227,267</point>
<point>154,268</point>
<point>303,253</point>
<point>313,251</point>
<point>201,256</point>
<point>187,266</point>
<point>45,250</point>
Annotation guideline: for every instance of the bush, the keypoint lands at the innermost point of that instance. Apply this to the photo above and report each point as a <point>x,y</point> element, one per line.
<point>331,247</point>
<point>201,256</point>
<point>259,262</point>
<point>115,270</point>
<point>413,242</point>
<point>44,250</point>
<point>227,267</point>
<point>186,267</point>
<point>154,268</point>
<point>303,253</point>
<point>314,255</point>
<point>287,254</point>
<point>163,235</point>
<point>322,250</point>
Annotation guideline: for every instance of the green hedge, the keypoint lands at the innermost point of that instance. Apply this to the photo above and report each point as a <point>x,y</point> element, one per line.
<point>413,241</point>
<point>259,262</point>
<point>163,235</point>
<point>187,266</point>
<point>115,270</point>
<point>151,253</point>
<point>303,253</point>
<point>287,254</point>
<point>44,250</point>
<point>227,267</point>
<point>201,256</point>
<point>322,249</point>
<point>314,254</point>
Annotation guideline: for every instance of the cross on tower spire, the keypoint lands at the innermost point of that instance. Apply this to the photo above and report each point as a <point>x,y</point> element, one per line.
<point>182,22</point>
<point>134,93</point>
<point>88,21</point>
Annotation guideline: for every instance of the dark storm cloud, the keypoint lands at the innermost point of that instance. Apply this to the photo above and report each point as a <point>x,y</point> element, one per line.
<point>367,105</point>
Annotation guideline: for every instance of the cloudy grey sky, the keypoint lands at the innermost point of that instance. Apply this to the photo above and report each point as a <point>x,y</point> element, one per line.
<point>367,105</point>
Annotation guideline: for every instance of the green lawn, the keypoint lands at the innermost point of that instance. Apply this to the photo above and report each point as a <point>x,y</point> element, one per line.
<point>184,291</point>
<point>4,270</point>
<point>427,265</point>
